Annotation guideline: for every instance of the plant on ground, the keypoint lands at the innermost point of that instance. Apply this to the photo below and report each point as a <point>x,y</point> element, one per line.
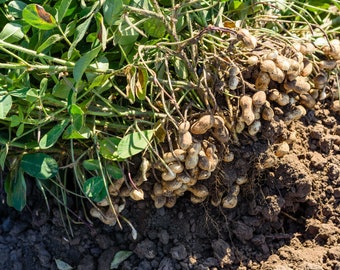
<point>86,85</point>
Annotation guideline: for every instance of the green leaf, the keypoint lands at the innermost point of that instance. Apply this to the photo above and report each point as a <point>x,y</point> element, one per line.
<point>72,133</point>
<point>154,27</point>
<point>16,190</point>
<point>61,265</point>
<point>134,143</point>
<point>114,170</point>
<point>84,62</point>
<point>102,31</point>
<point>36,16</point>
<point>108,148</point>
<point>51,40</point>
<point>51,137</point>
<point>5,105</point>
<point>112,11</point>
<point>119,257</point>
<point>20,130</point>
<point>15,8</point>
<point>94,188</point>
<point>79,35</point>
<point>12,32</point>
<point>91,164</point>
<point>126,34</point>
<point>77,115</point>
<point>39,165</point>
<point>62,10</point>
<point>141,82</point>
<point>62,88</point>
<point>181,69</point>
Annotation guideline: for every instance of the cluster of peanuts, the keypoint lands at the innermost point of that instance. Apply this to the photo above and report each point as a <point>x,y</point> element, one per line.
<point>281,77</point>
<point>195,159</point>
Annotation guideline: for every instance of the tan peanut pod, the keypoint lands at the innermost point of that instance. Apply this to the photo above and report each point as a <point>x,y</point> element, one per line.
<point>191,159</point>
<point>246,104</point>
<point>180,192</point>
<point>282,149</point>
<point>168,176</point>
<point>192,182</point>
<point>199,190</point>
<point>234,71</point>
<point>137,194</point>
<point>183,178</point>
<point>115,186</point>
<point>307,100</point>
<point>299,85</point>
<point>159,201</point>
<point>247,39</point>
<point>170,202</point>
<point>194,199</point>
<point>220,131</point>
<point>328,64</point>
<point>307,48</point>
<point>184,140</point>
<point>307,68</point>
<point>176,167</point>
<point>259,98</point>
<point>229,201</point>
<point>320,81</point>
<point>233,82</point>
<point>234,190</point>
<point>267,112</point>
<point>202,125</point>
<point>240,125</point>
<point>280,98</point>
<point>216,197</point>
<point>282,63</point>
<point>294,70</point>
<point>241,180</point>
<point>295,114</point>
<point>314,93</point>
<point>157,189</point>
<point>229,157</point>
<point>262,81</point>
<point>252,60</point>
<point>203,161</point>
<point>273,55</point>
<point>203,175</point>
<point>177,154</point>
<point>277,75</point>
<point>184,127</point>
<point>171,185</point>
<point>254,128</point>
<point>267,66</point>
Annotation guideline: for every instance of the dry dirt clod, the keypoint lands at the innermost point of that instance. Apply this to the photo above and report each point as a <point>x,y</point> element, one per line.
<point>282,149</point>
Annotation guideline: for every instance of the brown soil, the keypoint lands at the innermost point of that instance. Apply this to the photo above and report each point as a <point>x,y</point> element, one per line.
<point>287,217</point>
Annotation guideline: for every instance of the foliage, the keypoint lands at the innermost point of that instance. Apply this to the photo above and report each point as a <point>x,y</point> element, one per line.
<point>85,85</point>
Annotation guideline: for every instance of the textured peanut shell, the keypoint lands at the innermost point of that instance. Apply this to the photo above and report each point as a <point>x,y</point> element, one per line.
<point>202,125</point>
<point>246,104</point>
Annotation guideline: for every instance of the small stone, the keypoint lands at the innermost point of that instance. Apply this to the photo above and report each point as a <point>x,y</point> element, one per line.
<point>146,249</point>
<point>164,237</point>
<point>179,252</point>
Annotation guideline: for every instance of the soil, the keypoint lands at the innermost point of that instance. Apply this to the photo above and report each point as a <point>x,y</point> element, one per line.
<point>287,216</point>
